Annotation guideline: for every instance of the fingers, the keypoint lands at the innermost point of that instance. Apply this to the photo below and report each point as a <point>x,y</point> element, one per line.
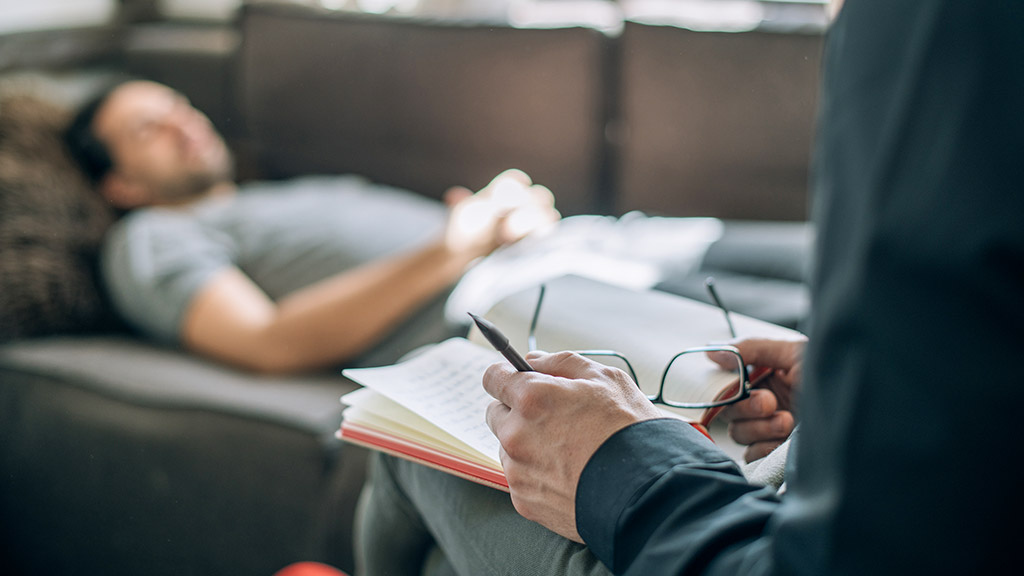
<point>759,450</point>
<point>572,366</point>
<point>498,383</point>
<point>528,219</point>
<point>507,190</point>
<point>760,404</point>
<point>780,354</point>
<point>510,176</point>
<point>506,210</point>
<point>507,385</point>
<point>512,190</point>
<point>541,195</point>
<point>501,234</point>
<point>561,364</point>
<point>496,416</point>
<point>510,387</point>
<point>777,427</point>
<point>758,423</point>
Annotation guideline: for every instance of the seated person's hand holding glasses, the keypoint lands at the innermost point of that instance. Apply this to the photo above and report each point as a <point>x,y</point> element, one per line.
<point>766,418</point>
<point>760,415</point>
<point>551,420</point>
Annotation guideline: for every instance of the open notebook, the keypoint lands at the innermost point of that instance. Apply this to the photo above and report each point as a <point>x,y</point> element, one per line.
<point>430,408</point>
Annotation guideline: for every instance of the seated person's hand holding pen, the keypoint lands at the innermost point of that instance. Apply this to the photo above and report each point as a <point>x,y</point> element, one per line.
<point>553,415</point>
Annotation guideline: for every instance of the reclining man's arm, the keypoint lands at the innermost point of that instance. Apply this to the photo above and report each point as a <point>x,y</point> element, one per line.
<point>231,319</point>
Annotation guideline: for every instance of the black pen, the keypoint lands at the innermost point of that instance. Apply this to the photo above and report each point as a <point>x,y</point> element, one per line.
<point>500,343</point>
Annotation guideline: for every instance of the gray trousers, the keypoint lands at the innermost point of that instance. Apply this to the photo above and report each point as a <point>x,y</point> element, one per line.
<point>416,520</point>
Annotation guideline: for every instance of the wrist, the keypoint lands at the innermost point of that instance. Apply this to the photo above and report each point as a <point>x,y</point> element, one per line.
<point>623,466</point>
<point>454,260</point>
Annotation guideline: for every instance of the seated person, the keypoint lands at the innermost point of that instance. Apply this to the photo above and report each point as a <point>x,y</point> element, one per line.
<point>414,519</point>
<point>904,461</point>
<point>274,277</point>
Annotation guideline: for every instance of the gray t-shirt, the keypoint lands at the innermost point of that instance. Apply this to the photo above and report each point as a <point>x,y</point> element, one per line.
<point>283,235</point>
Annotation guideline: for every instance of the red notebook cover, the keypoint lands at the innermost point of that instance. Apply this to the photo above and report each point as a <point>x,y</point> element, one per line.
<point>426,455</point>
<point>416,452</point>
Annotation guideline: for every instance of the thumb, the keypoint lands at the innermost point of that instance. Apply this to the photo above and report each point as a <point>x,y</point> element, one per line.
<point>456,194</point>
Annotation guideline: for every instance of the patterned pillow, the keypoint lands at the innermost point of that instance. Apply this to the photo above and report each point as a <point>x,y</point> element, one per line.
<point>51,224</point>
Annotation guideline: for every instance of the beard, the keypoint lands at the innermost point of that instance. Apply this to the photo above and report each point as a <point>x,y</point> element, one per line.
<point>196,182</point>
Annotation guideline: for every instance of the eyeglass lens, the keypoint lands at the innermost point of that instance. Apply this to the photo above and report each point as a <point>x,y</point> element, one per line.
<point>693,378</point>
<point>690,379</point>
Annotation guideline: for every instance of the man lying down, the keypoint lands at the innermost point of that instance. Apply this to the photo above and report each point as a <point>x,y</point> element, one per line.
<point>319,272</point>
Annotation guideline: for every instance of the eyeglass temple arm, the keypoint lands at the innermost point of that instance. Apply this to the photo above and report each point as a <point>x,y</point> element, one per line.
<point>709,282</point>
<point>531,338</point>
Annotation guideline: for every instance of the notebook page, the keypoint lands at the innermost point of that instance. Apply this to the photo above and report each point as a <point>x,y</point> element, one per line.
<point>444,386</point>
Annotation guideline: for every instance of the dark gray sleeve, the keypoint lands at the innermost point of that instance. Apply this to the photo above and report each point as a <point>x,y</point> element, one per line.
<point>909,412</point>
<point>154,263</point>
<point>659,498</point>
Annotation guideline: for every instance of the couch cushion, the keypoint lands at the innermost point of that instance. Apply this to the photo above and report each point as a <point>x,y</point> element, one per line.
<point>135,372</point>
<point>424,105</point>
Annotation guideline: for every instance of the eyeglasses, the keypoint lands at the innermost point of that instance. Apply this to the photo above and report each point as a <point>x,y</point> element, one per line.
<point>690,379</point>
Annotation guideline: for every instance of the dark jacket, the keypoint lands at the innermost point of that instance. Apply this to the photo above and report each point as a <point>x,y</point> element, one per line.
<point>910,411</point>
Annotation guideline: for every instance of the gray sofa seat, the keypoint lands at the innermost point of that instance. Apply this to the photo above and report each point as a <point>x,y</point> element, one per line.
<point>127,369</point>
<point>761,269</point>
<point>104,434</point>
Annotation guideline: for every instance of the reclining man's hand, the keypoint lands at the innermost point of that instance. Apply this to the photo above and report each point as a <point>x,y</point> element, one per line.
<point>551,421</point>
<point>507,209</point>
<point>765,420</point>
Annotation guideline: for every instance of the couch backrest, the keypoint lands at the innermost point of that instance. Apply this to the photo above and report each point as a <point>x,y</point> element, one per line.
<point>715,123</point>
<point>658,118</point>
<point>424,104</point>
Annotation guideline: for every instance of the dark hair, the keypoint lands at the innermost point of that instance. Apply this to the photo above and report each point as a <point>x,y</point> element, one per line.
<point>85,147</point>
